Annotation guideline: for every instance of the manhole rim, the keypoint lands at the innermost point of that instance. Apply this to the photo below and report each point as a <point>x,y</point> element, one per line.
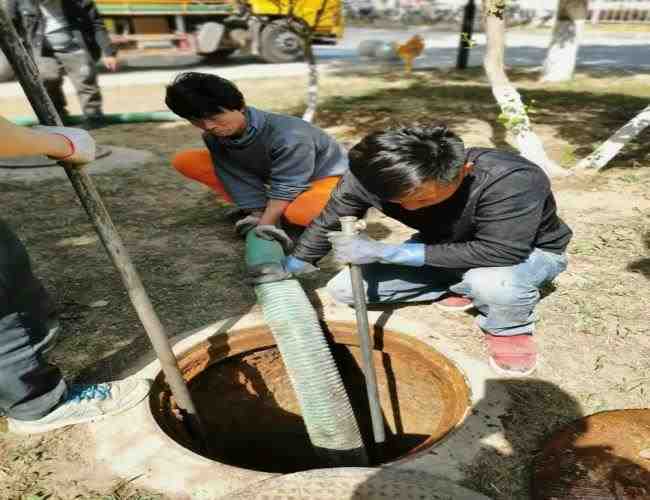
<point>143,450</point>
<point>220,346</point>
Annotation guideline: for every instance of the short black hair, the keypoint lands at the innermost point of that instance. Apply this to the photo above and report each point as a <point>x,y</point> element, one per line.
<point>394,162</point>
<point>194,96</point>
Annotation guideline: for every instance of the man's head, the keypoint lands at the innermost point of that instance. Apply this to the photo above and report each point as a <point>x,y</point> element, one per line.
<point>209,102</point>
<point>415,166</point>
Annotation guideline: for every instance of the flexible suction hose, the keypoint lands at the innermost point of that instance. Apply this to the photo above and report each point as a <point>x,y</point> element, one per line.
<point>326,409</point>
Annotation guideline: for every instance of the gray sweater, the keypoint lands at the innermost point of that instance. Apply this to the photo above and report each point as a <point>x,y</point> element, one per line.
<point>277,157</point>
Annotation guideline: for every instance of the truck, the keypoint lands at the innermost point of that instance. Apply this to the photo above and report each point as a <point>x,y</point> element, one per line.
<point>217,28</point>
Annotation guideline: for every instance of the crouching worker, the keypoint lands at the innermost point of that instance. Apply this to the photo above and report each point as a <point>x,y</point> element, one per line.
<point>273,167</point>
<point>488,234</point>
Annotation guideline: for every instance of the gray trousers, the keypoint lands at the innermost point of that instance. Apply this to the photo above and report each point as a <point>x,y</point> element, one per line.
<point>82,71</point>
<point>29,387</point>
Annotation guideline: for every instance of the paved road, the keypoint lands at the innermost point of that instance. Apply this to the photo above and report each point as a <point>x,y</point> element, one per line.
<point>598,52</point>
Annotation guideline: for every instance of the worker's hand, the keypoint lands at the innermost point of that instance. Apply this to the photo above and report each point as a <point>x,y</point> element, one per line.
<point>110,63</point>
<point>242,226</point>
<point>361,249</point>
<point>354,248</point>
<point>270,232</point>
<point>82,145</point>
<point>290,267</point>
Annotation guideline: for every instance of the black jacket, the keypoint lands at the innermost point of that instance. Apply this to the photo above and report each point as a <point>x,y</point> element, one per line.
<point>501,212</point>
<point>88,28</point>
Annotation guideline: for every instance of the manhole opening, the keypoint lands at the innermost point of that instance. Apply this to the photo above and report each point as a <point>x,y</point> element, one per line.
<point>241,389</point>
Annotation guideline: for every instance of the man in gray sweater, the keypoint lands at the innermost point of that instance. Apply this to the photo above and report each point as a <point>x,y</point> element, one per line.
<point>273,167</point>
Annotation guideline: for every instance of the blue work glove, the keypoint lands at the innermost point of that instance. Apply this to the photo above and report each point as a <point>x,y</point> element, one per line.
<point>290,267</point>
<point>361,249</point>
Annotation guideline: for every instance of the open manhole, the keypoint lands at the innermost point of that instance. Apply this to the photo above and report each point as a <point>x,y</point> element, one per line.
<point>242,391</point>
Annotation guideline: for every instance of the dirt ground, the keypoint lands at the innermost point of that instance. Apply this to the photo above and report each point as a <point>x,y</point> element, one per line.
<point>594,332</point>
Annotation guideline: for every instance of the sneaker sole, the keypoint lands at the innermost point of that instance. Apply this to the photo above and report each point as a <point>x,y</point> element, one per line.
<point>454,309</point>
<point>509,373</point>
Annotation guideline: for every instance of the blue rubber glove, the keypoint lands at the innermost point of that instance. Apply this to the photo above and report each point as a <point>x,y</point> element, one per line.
<point>361,249</point>
<point>289,268</point>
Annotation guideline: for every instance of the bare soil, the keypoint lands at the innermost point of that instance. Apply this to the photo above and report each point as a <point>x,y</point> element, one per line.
<point>593,330</point>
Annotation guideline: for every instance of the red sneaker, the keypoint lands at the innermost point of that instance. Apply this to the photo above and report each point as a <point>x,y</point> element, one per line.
<point>515,356</point>
<point>454,302</point>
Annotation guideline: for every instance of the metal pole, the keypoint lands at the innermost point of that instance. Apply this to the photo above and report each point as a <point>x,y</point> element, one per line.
<point>27,74</point>
<point>349,226</point>
<point>466,32</point>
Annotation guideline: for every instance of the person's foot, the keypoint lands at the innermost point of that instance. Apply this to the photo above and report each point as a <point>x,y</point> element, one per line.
<point>454,303</point>
<point>87,403</point>
<point>515,356</point>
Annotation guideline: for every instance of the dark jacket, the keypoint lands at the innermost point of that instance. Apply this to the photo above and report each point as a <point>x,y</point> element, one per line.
<point>88,28</point>
<point>500,213</point>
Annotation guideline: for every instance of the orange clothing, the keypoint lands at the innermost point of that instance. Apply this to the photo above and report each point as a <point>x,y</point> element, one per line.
<point>197,165</point>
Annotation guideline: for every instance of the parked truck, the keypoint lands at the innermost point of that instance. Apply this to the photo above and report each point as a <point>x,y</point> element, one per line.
<point>218,27</point>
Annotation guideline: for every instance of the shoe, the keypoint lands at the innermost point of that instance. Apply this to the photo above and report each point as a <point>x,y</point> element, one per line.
<point>454,302</point>
<point>86,403</point>
<point>515,356</point>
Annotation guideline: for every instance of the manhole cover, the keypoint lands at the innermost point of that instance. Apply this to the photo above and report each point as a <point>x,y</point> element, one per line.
<point>356,484</point>
<point>243,392</point>
<point>600,457</point>
<point>42,161</point>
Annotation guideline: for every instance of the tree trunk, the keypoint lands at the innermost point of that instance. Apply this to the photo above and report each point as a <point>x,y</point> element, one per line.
<point>312,89</point>
<point>562,52</point>
<point>513,111</point>
<point>610,148</point>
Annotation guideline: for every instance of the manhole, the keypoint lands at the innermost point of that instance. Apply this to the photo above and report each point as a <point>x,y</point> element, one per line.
<point>242,391</point>
<point>603,456</point>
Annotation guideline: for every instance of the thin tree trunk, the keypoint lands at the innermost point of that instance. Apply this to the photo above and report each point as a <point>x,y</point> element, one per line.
<point>513,110</point>
<point>610,148</point>
<point>562,53</point>
<point>312,89</point>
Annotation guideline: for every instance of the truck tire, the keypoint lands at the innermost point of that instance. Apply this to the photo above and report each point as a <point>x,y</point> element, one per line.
<point>280,45</point>
<point>6,71</point>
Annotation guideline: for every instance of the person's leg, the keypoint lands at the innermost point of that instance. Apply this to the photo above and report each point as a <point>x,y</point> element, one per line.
<point>308,205</point>
<point>51,72</point>
<point>506,298</point>
<point>29,387</point>
<point>196,164</point>
<point>387,283</point>
<point>82,71</point>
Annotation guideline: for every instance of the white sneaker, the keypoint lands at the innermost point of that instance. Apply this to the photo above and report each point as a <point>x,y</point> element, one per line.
<point>87,403</point>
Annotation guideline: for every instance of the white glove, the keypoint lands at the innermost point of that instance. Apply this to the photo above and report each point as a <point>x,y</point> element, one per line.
<point>81,142</point>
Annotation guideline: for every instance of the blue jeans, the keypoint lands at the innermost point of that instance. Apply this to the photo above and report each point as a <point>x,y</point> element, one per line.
<point>505,296</point>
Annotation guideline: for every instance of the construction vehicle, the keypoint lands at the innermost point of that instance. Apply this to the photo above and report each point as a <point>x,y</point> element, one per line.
<point>217,28</point>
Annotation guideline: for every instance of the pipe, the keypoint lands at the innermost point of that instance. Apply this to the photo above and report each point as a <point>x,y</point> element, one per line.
<point>27,74</point>
<point>349,226</point>
<point>109,118</point>
<point>326,409</point>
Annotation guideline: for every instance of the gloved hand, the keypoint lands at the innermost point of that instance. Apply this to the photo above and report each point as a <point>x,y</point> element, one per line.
<point>82,145</point>
<point>242,226</point>
<point>290,267</point>
<point>270,232</point>
<point>361,249</point>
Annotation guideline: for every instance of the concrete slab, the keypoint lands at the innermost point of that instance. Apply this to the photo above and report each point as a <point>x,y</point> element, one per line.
<point>118,159</point>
